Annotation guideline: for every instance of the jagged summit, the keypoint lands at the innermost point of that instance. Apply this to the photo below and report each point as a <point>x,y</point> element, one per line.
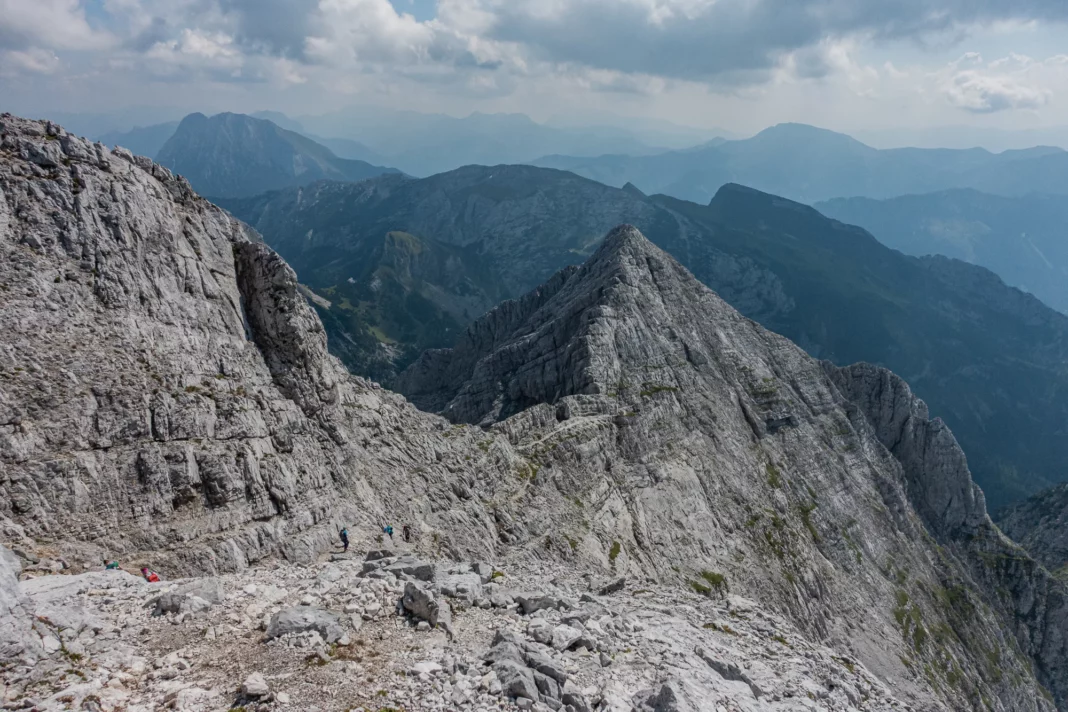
<point>728,431</point>
<point>628,305</point>
<point>622,240</point>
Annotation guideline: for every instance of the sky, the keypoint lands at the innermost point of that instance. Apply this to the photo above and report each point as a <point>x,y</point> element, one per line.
<point>737,64</point>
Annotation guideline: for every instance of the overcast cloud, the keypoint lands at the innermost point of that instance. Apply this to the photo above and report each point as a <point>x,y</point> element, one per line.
<point>702,62</point>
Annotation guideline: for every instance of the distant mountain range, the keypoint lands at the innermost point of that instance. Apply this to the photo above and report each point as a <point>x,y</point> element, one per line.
<point>808,164</point>
<point>233,155</point>
<point>425,144</point>
<point>1023,239</point>
<point>405,263</point>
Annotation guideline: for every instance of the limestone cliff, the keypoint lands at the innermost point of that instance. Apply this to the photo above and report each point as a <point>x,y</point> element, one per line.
<point>1040,525</point>
<point>687,440</point>
<point>165,388</point>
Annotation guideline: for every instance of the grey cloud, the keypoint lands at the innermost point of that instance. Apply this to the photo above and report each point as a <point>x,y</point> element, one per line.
<point>731,36</point>
<point>277,26</point>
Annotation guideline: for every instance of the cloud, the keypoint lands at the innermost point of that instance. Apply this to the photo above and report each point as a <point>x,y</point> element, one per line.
<point>490,48</point>
<point>47,24</point>
<point>706,40</point>
<point>999,85</point>
<point>31,61</point>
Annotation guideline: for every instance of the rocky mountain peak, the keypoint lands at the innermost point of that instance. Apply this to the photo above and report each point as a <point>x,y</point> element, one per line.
<point>722,429</point>
<point>166,398</point>
<point>629,309</point>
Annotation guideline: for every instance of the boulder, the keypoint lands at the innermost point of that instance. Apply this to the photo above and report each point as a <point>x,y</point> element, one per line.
<point>483,570</point>
<point>411,566</point>
<point>546,665</point>
<point>191,597</point>
<point>541,630</point>
<point>548,688</point>
<point>255,686</point>
<point>572,696</point>
<point>570,637</point>
<point>613,586</point>
<point>376,554</point>
<point>424,605</point>
<point>516,679</point>
<point>467,586</point>
<point>303,618</point>
<point>669,697</point>
<point>531,602</point>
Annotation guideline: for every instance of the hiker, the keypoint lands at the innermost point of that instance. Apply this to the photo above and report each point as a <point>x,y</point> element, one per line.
<point>150,576</point>
<point>345,538</point>
<point>388,529</point>
<point>407,532</point>
<point>110,565</point>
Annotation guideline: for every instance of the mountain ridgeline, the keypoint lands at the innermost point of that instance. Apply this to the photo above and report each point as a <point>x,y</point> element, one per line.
<point>1022,238</point>
<point>233,155</point>
<point>168,397</point>
<point>809,164</point>
<point>987,358</point>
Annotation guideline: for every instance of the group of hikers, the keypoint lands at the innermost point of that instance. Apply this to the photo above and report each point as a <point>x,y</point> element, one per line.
<point>406,532</point>
<point>150,576</point>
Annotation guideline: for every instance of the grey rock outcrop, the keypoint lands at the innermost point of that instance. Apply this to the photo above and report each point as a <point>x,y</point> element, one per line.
<point>17,638</point>
<point>301,619</point>
<point>1031,602</point>
<point>527,672</point>
<point>425,605</point>
<point>1040,525</point>
<point>165,388</point>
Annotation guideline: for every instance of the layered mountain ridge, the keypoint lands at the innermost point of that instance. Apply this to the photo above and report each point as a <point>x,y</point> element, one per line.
<point>1020,238</point>
<point>811,164</point>
<point>167,397</point>
<point>988,359</point>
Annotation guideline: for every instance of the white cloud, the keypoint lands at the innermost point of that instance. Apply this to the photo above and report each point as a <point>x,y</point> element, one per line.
<point>1002,84</point>
<point>30,61</point>
<point>48,24</point>
<point>982,94</point>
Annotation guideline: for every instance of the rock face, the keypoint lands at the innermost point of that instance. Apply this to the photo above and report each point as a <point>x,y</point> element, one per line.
<point>824,489</point>
<point>167,397</point>
<point>1040,525</point>
<point>229,155</point>
<point>1030,601</point>
<point>165,388</point>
